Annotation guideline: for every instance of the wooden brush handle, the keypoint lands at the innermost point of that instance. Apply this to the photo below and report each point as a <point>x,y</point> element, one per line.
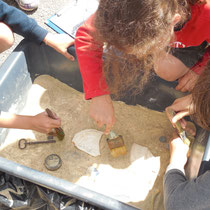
<point>50,114</point>
<point>188,139</point>
<point>178,126</point>
<point>59,131</point>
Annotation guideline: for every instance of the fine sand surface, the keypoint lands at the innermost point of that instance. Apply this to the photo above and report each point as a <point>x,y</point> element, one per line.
<point>139,126</point>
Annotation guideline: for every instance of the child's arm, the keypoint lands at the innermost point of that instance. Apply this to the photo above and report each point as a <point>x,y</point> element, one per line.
<point>27,27</point>
<point>40,122</point>
<point>89,54</point>
<point>60,42</point>
<point>21,24</point>
<point>180,193</point>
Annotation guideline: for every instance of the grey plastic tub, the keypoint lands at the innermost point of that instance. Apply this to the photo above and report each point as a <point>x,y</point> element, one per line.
<point>27,62</point>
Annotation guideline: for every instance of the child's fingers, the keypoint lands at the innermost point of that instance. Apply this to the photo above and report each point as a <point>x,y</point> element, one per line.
<point>55,123</point>
<point>176,106</point>
<point>68,56</point>
<point>183,123</point>
<point>51,133</point>
<point>179,116</point>
<point>190,128</point>
<point>182,83</point>
<point>187,82</point>
<point>99,123</point>
<point>108,128</point>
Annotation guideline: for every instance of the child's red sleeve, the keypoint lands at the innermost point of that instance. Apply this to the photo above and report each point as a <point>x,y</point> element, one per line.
<point>200,65</point>
<point>89,55</point>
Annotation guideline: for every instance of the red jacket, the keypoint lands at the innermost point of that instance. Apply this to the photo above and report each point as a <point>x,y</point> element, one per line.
<point>89,52</point>
<point>89,55</point>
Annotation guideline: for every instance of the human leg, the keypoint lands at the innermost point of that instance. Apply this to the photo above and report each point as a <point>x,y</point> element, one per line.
<point>6,37</point>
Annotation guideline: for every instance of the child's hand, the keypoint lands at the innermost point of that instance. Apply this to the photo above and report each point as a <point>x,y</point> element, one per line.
<point>187,82</point>
<point>183,107</point>
<point>102,111</point>
<point>44,124</point>
<point>178,151</point>
<point>60,42</point>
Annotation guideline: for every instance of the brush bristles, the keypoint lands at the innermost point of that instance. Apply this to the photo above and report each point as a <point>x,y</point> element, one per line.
<point>118,151</point>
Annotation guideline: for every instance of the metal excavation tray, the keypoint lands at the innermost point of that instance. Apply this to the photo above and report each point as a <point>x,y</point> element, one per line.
<point>27,62</point>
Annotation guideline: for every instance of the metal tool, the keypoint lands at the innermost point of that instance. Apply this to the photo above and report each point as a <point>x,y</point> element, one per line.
<point>59,131</point>
<point>53,162</point>
<point>22,143</point>
<point>186,138</point>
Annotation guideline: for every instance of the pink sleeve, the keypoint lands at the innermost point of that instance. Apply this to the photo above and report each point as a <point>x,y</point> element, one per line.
<point>89,54</point>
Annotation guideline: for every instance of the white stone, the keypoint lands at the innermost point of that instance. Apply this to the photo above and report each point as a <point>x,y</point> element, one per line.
<point>88,141</point>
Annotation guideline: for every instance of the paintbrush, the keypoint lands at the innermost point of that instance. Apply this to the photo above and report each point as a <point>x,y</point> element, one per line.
<point>116,144</point>
<point>59,131</point>
<point>186,137</point>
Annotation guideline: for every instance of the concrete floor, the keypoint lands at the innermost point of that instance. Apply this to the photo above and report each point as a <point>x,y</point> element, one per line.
<point>45,10</point>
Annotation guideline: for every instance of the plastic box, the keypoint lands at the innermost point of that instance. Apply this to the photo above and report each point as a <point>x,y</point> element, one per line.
<point>27,62</point>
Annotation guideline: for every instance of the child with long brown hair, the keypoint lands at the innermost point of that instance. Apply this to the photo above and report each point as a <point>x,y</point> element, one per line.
<point>169,37</point>
<point>179,192</point>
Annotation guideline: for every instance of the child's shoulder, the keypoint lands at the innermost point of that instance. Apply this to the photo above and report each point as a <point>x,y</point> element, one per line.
<point>202,10</point>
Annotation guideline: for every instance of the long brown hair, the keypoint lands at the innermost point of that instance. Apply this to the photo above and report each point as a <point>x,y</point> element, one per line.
<point>201,99</point>
<point>135,33</point>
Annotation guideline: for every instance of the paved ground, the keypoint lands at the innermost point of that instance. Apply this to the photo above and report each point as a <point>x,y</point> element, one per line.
<point>45,10</point>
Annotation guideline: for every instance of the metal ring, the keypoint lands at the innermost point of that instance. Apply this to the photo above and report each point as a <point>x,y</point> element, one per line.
<point>22,143</point>
<point>53,162</point>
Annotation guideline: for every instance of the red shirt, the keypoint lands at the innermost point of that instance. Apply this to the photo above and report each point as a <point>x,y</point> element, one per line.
<point>195,31</point>
<point>89,52</point>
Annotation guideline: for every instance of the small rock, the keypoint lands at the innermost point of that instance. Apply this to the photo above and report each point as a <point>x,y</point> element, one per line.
<point>163,139</point>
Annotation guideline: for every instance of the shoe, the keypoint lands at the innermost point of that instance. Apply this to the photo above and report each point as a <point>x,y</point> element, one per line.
<point>28,5</point>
